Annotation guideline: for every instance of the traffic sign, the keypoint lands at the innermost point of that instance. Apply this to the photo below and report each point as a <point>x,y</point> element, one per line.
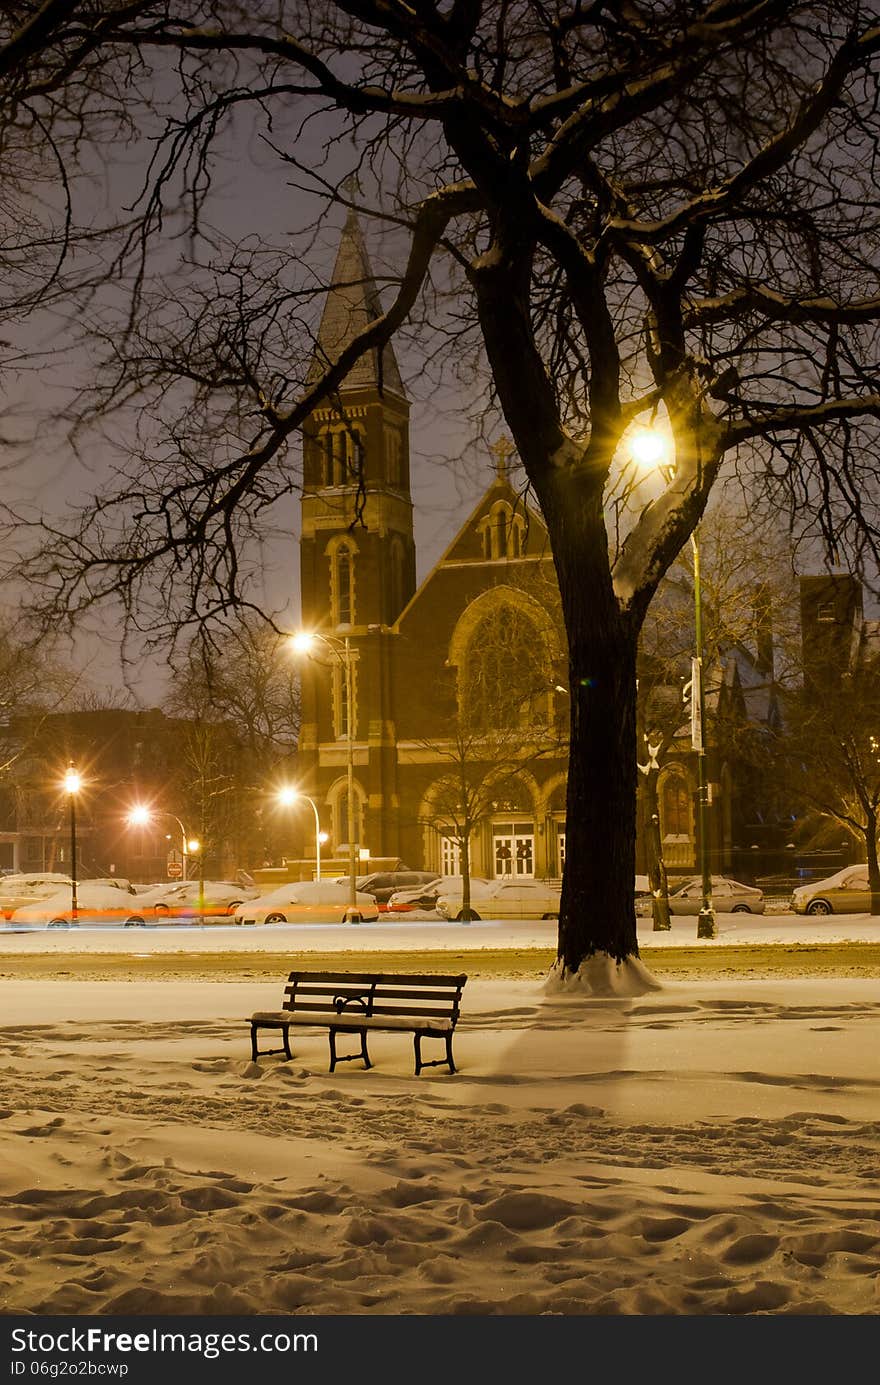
<point>175,870</point>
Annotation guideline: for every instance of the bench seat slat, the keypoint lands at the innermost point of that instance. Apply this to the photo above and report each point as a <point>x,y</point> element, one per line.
<point>277,1019</point>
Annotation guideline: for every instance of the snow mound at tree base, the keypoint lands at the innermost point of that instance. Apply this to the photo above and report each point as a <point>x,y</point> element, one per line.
<point>601,975</point>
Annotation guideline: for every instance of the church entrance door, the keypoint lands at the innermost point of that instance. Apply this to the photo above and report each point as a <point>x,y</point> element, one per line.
<point>514,850</point>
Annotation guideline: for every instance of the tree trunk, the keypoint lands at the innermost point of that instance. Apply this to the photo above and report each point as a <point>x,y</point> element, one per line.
<point>597,909</point>
<point>466,911</point>
<point>873,866</point>
<point>657,877</point>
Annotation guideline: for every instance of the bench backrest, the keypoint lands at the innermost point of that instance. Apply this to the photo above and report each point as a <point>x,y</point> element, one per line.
<point>375,993</point>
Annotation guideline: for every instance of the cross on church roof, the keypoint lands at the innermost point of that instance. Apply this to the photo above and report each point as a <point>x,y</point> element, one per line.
<point>502,449</point>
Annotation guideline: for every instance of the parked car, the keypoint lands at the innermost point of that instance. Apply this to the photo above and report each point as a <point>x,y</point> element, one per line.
<point>505,899</point>
<point>426,896</point>
<point>845,892</point>
<point>728,897</point>
<point>382,884</point>
<point>17,890</point>
<point>309,901</point>
<point>180,902</point>
<point>98,906</point>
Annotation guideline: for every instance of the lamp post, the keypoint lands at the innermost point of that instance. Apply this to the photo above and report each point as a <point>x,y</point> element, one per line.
<point>341,650</point>
<point>141,816</point>
<point>651,448</point>
<point>72,786</point>
<point>286,797</point>
<point>706,920</point>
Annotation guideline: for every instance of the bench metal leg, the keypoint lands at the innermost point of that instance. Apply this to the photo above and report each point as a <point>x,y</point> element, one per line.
<point>436,1062</point>
<point>285,1039</point>
<point>348,1057</point>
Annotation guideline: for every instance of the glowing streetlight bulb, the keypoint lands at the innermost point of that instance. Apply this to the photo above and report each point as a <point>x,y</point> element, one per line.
<point>140,816</point>
<point>287,795</point>
<point>649,447</point>
<point>302,642</point>
<point>193,846</point>
<point>72,781</point>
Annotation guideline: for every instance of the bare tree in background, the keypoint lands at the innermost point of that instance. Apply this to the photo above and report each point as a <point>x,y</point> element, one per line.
<point>749,602</point>
<point>628,213</point>
<point>240,693</point>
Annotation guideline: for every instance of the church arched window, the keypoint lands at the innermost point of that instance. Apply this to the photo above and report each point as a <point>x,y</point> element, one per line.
<point>675,807</point>
<point>344,585</point>
<point>503,683</point>
<point>393,455</point>
<point>342,455</point>
<point>344,714</point>
<point>340,816</point>
<point>502,532</point>
<point>327,459</point>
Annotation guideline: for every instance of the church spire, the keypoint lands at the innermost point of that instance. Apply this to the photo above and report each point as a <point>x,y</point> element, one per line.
<point>352,303</point>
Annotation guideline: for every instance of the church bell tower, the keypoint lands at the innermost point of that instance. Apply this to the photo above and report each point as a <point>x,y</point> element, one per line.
<point>357,559</point>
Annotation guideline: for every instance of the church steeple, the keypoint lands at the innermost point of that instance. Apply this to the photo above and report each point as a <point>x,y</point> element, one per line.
<point>352,304</point>
<point>357,553</point>
<point>357,549</point>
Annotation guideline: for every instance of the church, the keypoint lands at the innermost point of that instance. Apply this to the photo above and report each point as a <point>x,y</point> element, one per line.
<point>443,705</point>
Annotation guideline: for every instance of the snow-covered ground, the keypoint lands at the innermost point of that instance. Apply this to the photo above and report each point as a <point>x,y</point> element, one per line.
<point>710,1147</point>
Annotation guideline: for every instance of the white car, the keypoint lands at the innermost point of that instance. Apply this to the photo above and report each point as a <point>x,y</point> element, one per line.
<point>309,901</point>
<point>24,888</point>
<point>98,906</point>
<point>505,899</point>
<point>179,901</point>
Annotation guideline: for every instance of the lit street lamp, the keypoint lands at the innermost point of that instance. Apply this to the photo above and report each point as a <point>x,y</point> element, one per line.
<point>288,796</point>
<point>650,447</point>
<point>340,649</point>
<point>72,786</point>
<point>142,816</point>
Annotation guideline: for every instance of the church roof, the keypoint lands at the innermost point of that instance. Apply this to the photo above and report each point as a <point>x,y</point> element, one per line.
<point>352,303</point>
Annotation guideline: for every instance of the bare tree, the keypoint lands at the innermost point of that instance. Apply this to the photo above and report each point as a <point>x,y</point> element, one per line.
<point>627,212</point>
<point>240,696</point>
<point>748,605</point>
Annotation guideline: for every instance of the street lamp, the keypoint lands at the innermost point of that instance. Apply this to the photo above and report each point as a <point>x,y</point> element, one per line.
<point>72,786</point>
<point>303,643</point>
<point>142,816</point>
<point>651,447</point>
<point>287,796</point>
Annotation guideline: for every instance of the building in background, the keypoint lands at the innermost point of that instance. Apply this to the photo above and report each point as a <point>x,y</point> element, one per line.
<point>468,667</point>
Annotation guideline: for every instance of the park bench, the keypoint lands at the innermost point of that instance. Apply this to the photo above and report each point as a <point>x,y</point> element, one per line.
<point>355,1002</point>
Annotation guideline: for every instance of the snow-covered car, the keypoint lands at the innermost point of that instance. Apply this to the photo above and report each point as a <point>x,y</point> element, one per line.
<point>180,902</point>
<point>728,897</point>
<point>845,892</point>
<point>98,906</point>
<point>382,884</point>
<point>309,901</point>
<point>23,888</point>
<point>426,896</point>
<point>505,899</point>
